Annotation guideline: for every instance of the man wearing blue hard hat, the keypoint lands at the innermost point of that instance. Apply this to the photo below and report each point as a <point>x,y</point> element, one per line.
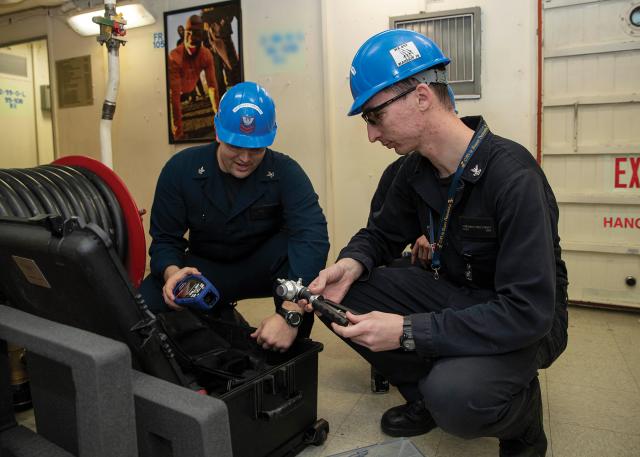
<point>251,213</point>
<point>463,332</point>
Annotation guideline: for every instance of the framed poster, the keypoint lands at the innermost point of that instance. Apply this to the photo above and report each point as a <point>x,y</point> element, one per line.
<point>202,55</point>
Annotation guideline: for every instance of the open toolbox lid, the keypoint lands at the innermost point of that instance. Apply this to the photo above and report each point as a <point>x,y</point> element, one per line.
<point>67,272</point>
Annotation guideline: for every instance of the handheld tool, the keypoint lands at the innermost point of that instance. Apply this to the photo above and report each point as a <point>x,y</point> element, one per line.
<point>195,291</point>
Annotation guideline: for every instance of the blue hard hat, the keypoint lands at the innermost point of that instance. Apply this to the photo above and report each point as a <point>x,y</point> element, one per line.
<point>387,58</point>
<point>246,117</point>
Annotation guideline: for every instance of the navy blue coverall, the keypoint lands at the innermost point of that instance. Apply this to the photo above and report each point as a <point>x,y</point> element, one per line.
<point>498,311</point>
<point>274,226</point>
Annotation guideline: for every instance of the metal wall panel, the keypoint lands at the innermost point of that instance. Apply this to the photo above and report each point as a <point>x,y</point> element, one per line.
<point>591,144</point>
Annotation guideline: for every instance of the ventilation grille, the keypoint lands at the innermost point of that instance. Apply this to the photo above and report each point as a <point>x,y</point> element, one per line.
<point>454,35</point>
<point>457,33</point>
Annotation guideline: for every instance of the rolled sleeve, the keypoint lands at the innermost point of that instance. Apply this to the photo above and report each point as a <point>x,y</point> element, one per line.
<point>421,326</point>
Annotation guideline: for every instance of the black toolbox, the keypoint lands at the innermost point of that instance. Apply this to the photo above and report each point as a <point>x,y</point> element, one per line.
<point>279,406</point>
<point>67,272</point>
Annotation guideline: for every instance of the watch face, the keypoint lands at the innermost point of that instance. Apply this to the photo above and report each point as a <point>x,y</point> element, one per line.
<point>407,343</point>
<point>294,319</point>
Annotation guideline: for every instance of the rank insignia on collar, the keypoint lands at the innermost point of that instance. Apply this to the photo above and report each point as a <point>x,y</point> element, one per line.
<point>270,174</point>
<point>476,170</point>
<point>201,170</point>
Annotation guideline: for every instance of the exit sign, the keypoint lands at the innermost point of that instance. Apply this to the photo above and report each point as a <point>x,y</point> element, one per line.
<point>626,173</point>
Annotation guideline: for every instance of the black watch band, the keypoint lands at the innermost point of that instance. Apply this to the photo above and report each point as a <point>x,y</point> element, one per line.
<point>406,339</point>
<point>293,318</point>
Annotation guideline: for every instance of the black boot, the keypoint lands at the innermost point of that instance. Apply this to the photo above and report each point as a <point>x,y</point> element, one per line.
<point>411,419</point>
<point>532,441</point>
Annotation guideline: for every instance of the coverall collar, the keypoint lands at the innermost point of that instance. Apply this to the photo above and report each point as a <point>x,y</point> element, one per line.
<point>424,177</point>
<point>254,186</point>
<point>478,163</point>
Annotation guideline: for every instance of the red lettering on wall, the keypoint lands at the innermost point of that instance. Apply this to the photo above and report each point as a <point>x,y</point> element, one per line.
<point>619,222</point>
<point>635,176</point>
<point>619,172</point>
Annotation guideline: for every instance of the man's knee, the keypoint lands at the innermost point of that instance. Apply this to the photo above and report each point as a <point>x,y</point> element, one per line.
<point>378,293</point>
<point>459,404</point>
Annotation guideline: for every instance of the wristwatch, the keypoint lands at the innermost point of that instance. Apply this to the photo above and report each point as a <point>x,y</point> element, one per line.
<point>406,339</point>
<point>293,318</point>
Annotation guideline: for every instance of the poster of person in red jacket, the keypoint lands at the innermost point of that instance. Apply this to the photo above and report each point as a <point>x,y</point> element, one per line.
<point>203,61</point>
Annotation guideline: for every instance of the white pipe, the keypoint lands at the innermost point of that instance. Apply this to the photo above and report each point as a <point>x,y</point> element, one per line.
<point>109,103</point>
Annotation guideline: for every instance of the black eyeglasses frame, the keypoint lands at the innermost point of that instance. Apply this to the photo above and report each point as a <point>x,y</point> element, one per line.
<point>366,114</point>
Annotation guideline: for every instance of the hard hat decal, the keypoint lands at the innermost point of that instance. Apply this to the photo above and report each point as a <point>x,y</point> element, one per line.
<point>246,124</point>
<point>247,105</point>
<point>405,53</point>
<point>353,70</point>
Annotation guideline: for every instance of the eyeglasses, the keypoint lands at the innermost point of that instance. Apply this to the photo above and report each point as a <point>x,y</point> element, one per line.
<point>372,115</point>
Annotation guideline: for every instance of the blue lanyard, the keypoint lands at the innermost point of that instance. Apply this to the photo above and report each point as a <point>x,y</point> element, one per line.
<point>436,247</point>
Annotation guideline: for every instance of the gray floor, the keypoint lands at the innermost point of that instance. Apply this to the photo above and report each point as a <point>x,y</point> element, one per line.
<point>591,394</point>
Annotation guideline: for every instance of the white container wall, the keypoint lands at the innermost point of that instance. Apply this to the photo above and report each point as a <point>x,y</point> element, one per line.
<point>591,143</point>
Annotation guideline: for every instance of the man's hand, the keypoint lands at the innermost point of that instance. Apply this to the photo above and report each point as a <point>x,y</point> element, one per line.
<point>172,275</point>
<point>274,333</point>
<point>375,330</point>
<point>421,251</point>
<point>334,282</point>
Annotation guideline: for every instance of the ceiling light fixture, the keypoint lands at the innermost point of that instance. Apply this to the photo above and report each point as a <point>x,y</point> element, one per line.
<point>135,14</point>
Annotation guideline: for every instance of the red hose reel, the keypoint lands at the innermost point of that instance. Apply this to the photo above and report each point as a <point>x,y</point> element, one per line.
<point>135,258</point>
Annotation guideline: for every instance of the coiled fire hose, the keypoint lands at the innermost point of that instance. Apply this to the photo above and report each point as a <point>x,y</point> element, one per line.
<point>82,187</point>
<point>73,186</point>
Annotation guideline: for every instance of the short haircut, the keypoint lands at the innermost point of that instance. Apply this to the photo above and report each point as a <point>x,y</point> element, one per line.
<point>441,90</point>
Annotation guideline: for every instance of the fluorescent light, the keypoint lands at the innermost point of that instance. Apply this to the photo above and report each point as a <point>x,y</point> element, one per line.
<point>135,14</point>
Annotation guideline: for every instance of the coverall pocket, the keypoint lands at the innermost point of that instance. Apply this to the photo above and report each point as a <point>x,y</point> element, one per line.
<point>480,251</point>
<point>479,261</point>
<point>262,212</point>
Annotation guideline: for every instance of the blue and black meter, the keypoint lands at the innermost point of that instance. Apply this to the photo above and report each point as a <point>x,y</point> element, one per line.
<point>195,291</point>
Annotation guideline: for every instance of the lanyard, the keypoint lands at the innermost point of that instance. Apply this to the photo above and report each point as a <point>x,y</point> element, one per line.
<point>436,247</point>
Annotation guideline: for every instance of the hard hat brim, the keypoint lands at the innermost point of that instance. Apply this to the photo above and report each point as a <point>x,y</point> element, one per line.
<point>244,141</point>
<point>358,103</point>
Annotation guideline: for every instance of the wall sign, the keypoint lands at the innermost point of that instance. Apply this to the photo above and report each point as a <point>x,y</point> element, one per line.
<point>621,222</point>
<point>627,173</point>
<point>12,97</point>
<point>75,87</point>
